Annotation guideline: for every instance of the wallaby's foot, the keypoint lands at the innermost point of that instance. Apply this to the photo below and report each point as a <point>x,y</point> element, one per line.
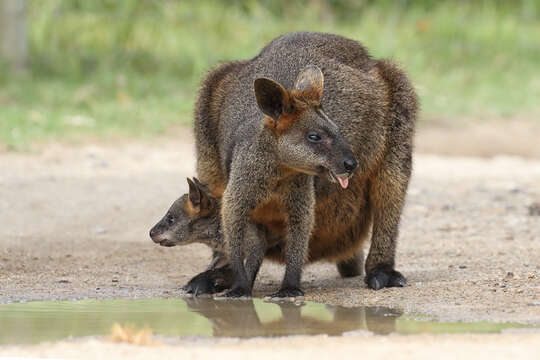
<point>381,277</point>
<point>210,282</point>
<point>238,292</point>
<point>287,293</point>
<point>350,268</point>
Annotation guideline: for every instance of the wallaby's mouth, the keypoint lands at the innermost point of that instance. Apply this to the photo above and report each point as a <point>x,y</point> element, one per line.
<point>342,179</point>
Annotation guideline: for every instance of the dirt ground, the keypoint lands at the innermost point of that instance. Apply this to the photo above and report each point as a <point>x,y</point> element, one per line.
<point>75,224</point>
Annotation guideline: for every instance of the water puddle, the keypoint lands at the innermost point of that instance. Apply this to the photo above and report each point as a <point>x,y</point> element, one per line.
<point>34,322</point>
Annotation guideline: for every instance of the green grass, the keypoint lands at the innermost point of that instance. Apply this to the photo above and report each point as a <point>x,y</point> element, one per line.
<point>131,68</point>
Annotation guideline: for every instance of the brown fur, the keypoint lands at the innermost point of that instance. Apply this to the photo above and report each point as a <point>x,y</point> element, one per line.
<point>374,106</point>
<point>281,125</point>
<point>271,215</point>
<point>211,95</point>
<point>191,210</point>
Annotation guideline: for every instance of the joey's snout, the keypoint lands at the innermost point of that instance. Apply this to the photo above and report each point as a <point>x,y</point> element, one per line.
<point>155,233</point>
<point>160,237</point>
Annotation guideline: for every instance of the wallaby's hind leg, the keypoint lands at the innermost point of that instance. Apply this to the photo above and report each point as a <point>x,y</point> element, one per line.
<point>352,267</point>
<point>387,196</point>
<point>389,186</point>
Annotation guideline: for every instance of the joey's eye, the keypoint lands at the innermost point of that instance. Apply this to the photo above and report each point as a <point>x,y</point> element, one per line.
<point>170,219</point>
<point>314,137</point>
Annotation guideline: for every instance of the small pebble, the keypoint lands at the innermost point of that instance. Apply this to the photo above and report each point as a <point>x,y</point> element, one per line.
<point>98,230</point>
<point>534,209</point>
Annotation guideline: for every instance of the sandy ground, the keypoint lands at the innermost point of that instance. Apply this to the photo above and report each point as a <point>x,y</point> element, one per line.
<point>420,347</point>
<point>75,220</point>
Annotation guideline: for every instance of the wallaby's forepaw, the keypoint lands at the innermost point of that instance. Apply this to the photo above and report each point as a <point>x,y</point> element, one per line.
<point>209,282</point>
<point>238,292</point>
<point>381,277</point>
<point>287,293</point>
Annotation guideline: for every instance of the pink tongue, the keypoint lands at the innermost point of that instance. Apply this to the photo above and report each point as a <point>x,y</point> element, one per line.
<point>343,182</point>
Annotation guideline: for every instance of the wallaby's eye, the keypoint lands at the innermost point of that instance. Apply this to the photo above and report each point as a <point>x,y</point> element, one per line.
<point>314,137</point>
<point>170,219</point>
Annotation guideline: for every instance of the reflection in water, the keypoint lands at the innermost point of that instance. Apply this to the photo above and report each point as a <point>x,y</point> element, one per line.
<point>243,318</point>
<point>35,322</point>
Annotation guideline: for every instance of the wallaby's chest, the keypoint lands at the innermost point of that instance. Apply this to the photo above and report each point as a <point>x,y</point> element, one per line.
<point>271,214</point>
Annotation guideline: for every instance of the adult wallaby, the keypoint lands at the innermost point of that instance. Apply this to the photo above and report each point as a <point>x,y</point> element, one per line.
<point>275,133</point>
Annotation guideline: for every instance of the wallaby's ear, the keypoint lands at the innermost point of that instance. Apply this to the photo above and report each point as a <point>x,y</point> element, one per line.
<point>195,194</point>
<point>272,98</point>
<point>309,84</point>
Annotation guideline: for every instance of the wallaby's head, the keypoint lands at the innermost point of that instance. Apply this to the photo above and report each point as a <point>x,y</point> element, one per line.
<point>308,140</point>
<point>194,217</point>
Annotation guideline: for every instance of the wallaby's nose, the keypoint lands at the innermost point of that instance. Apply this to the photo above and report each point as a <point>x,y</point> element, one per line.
<point>152,232</point>
<point>350,164</point>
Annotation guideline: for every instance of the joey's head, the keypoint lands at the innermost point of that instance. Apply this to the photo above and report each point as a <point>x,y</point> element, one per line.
<point>308,140</point>
<point>194,217</point>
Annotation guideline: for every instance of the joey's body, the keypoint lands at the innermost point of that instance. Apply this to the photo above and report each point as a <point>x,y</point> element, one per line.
<point>373,105</point>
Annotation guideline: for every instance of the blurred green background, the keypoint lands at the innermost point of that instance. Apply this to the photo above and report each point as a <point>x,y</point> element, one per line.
<point>131,68</point>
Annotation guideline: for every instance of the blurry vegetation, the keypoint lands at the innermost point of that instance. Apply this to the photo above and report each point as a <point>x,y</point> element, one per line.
<point>108,67</point>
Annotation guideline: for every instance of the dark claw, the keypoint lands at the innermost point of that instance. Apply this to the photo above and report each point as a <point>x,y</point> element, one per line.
<point>381,277</point>
<point>288,293</point>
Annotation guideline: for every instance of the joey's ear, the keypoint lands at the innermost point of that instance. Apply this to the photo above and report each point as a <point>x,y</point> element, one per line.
<point>272,98</point>
<point>195,194</point>
<point>198,183</point>
<point>199,195</point>
<point>309,84</point>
